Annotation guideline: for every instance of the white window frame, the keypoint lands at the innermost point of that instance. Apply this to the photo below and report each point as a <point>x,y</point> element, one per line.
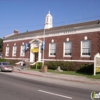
<point>85,48</point>
<point>7,50</point>
<point>50,49</point>
<point>64,49</point>
<point>22,51</point>
<point>14,52</point>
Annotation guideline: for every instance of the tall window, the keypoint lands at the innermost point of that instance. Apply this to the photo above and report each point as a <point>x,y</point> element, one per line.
<point>67,48</point>
<point>7,50</point>
<point>22,53</point>
<point>52,48</point>
<point>86,47</point>
<point>14,51</point>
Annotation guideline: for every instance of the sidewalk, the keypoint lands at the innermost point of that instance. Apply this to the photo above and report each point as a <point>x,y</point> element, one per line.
<point>58,76</point>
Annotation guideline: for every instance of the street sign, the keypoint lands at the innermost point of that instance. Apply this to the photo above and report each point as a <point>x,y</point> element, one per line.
<point>97,63</point>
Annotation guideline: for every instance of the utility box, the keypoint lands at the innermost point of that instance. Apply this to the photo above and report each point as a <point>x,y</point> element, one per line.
<point>18,64</point>
<point>44,68</point>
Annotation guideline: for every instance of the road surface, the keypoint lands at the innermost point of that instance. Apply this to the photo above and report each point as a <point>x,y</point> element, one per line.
<point>19,88</point>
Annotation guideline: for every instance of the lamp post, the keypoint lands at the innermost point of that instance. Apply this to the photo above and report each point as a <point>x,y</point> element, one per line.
<point>44,68</point>
<point>43,45</point>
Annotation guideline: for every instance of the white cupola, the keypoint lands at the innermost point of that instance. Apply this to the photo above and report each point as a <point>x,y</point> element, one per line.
<point>48,21</point>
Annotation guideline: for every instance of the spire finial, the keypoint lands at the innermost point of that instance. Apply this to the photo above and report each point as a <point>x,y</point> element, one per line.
<point>49,12</point>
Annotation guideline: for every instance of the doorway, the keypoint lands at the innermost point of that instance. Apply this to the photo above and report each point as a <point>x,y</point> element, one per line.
<point>36,56</point>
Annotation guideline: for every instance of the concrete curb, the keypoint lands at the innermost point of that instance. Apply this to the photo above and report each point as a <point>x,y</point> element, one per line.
<point>74,80</point>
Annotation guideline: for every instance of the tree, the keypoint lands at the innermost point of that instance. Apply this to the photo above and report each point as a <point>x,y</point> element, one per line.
<point>1,44</point>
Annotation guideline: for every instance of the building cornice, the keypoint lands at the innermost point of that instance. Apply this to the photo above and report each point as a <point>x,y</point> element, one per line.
<point>61,33</point>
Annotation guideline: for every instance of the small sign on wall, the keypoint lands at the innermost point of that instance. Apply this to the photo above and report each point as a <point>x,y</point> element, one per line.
<point>36,49</point>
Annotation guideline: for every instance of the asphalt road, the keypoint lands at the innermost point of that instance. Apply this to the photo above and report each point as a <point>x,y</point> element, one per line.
<point>18,88</point>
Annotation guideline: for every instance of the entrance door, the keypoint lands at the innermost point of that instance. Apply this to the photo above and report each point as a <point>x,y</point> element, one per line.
<point>36,56</point>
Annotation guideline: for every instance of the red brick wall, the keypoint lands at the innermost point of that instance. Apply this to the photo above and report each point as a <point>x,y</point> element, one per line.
<point>76,46</point>
<point>18,44</point>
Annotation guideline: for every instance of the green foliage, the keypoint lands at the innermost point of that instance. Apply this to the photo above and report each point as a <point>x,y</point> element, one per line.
<point>12,62</point>
<point>86,68</point>
<point>51,65</point>
<point>67,66</point>
<point>71,66</point>
<point>37,65</point>
<point>2,60</point>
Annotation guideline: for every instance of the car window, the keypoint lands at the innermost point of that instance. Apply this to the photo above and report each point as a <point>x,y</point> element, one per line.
<point>4,63</point>
<point>0,63</point>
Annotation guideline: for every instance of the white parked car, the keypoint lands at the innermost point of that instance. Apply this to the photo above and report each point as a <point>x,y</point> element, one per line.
<point>4,66</point>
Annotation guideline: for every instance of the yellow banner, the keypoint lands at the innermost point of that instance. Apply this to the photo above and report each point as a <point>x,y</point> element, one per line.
<point>97,69</point>
<point>35,50</point>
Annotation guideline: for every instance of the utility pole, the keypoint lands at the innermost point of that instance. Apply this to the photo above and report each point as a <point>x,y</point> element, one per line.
<point>43,45</point>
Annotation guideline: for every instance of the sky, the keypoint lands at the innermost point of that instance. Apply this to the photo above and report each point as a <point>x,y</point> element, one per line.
<point>29,15</point>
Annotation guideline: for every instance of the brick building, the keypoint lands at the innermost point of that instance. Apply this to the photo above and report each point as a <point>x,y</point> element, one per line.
<point>78,42</point>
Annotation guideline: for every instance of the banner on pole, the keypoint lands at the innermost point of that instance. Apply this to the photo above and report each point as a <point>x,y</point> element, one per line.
<point>26,45</point>
<point>43,45</point>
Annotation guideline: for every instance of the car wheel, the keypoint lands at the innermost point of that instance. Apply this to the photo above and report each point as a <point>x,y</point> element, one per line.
<point>0,70</point>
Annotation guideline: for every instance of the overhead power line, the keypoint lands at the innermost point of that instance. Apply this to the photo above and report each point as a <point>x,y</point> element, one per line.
<point>53,23</point>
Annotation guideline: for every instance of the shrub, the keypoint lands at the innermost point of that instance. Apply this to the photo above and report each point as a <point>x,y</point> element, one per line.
<point>86,68</point>
<point>37,65</point>
<point>12,62</point>
<point>51,65</point>
<point>69,66</point>
<point>33,66</point>
<point>2,60</point>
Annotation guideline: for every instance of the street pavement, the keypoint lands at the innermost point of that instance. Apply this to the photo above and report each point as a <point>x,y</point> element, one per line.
<point>21,88</point>
<point>64,77</point>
